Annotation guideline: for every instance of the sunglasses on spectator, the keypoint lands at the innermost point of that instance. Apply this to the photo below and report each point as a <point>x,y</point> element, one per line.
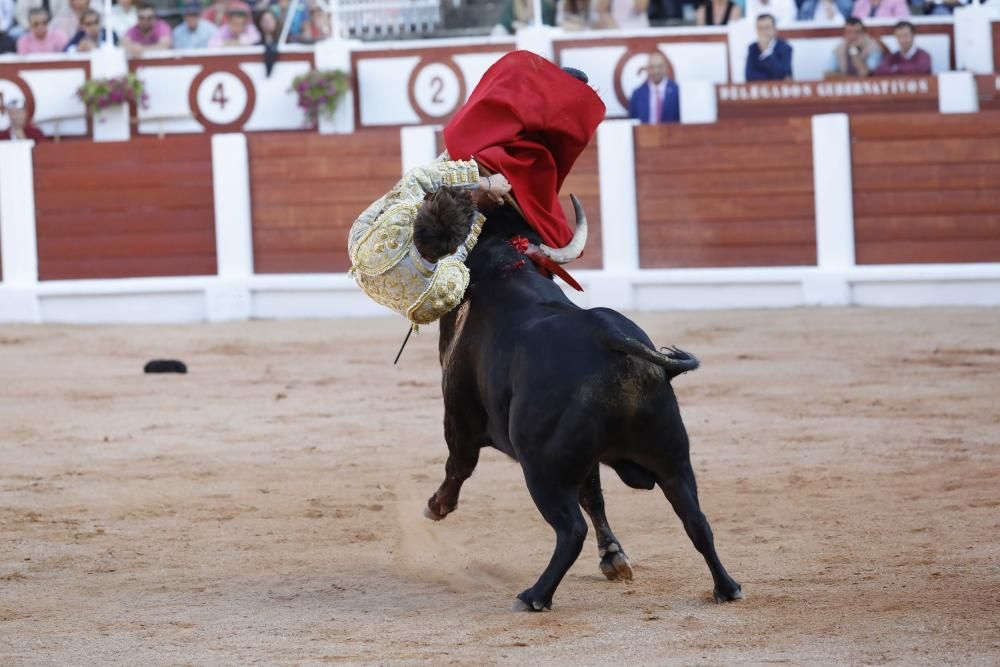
<point>147,17</point>
<point>35,24</point>
<point>88,23</point>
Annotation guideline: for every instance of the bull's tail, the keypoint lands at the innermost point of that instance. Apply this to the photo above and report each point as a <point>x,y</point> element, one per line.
<point>673,360</point>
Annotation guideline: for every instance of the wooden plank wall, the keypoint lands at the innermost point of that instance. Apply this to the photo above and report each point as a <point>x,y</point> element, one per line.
<point>307,190</point>
<point>135,208</point>
<point>733,193</point>
<point>927,190</point>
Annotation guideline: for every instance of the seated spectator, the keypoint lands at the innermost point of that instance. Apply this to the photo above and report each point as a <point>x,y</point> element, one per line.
<point>770,57</point>
<point>90,35</point>
<point>866,9</point>
<point>218,12</point>
<point>22,7</point>
<point>124,16</point>
<point>8,21</point>
<point>296,22</point>
<point>193,32</point>
<point>39,39</point>
<point>269,29</point>
<point>657,100</point>
<point>238,31</point>
<point>574,15</point>
<point>149,34</point>
<point>7,43</point>
<point>20,127</point>
<point>857,54</point>
<point>782,11</point>
<point>717,12</point>
<point>942,7</point>
<point>910,59</point>
<point>519,13</point>
<point>614,14</point>
<point>317,28</point>
<point>825,12</point>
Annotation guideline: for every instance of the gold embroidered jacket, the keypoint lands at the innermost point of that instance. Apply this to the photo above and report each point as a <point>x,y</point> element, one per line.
<point>388,266</point>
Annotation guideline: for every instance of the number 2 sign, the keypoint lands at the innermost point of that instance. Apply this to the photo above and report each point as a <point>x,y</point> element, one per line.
<point>436,89</point>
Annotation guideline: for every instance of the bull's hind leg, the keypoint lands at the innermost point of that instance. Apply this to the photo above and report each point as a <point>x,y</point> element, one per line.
<point>464,434</point>
<point>614,562</point>
<point>560,506</point>
<point>681,490</point>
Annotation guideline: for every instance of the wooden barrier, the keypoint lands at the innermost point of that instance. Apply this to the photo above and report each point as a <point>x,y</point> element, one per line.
<point>125,209</point>
<point>736,193</point>
<point>926,190</point>
<point>307,190</point>
<point>806,98</point>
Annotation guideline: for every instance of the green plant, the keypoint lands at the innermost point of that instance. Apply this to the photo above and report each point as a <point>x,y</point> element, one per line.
<point>320,92</point>
<point>99,94</point>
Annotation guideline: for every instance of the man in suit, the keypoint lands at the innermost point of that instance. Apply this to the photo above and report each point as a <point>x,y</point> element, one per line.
<point>658,100</point>
<point>770,57</point>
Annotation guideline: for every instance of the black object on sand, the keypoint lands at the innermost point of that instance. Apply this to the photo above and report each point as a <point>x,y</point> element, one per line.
<point>165,366</point>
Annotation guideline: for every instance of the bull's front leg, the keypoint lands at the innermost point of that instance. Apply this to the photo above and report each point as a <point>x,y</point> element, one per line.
<point>614,562</point>
<point>464,438</point>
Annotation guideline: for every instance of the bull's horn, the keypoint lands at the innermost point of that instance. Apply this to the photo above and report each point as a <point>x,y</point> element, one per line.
<point>575,247</point>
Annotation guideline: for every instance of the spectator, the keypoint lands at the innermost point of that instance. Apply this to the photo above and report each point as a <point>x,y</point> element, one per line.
<point>628,14</point>
<point>825,12</point>
<point>68,21</point>
<point>193,32</point>
<point>782,11</point>
<point>519,13</point>
<point>575,15</point>
<point>269,29</point>
<point>39,39</point>
<point>657,100</point>
<point>218,12</point>
<point>317,28</point>
<point>7,43</point>
<point>296,22</point>
<point>942,7</point>
<point>857,54</point>
<point>90,35</point>
<point>910,59</point>
<point>149,34</point>
<point>22,7</point>
<point>20,126</point>
<point>770,57</point>
<point>717,12</point>
<point>238,30</point>
<point>8,20</point>
<point>865,9</point>
<point>123,17</point>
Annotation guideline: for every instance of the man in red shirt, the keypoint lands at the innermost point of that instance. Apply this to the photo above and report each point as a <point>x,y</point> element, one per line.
<point>909,59</point>
<point>20,127</point>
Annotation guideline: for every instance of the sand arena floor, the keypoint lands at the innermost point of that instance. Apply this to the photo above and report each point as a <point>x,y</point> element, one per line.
<point>266,507</point>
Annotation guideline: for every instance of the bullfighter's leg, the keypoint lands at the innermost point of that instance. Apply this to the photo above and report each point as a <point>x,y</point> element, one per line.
<point>560,506</point>
<point>614,562</point>
<point>679,487</point>
<point>464,437</point>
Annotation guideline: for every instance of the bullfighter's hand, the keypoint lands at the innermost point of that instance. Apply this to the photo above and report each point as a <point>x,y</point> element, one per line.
<point>497,187</point>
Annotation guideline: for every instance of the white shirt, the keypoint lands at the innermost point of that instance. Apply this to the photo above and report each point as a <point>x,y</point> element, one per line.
<point>656,89</point>
<point>6,14</point>
<point>783,11</point>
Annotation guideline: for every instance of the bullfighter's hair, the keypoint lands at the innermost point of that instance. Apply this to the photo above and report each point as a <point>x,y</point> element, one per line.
<point>443,223</point>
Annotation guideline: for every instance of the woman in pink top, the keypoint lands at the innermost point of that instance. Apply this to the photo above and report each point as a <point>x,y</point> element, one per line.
<point>865,9</point>
<point>39,39</point>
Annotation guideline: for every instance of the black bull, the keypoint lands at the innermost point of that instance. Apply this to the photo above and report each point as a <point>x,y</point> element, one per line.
<point>561,389</point>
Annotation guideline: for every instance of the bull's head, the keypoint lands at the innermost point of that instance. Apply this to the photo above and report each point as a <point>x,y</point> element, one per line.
<point>575,247</point>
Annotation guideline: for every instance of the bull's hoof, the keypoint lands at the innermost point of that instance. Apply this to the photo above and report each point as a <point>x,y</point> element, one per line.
<point>615,564</point>
<point>730,594</point>
<point>435,510</point>
<point>525,603</point>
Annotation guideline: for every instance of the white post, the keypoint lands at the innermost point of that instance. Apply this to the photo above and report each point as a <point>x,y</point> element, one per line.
<point>834,205</point>
<point>230,298</point>
<point>619,218</point>
<point>537,39</point>
<point>973,39</point>
<point>18,245</point>
<point>110,124</point>
<point>418,146</point>
<point>537,9</point>
<point>698,102</point>
<point>957,92</point>
<point>335,53</point>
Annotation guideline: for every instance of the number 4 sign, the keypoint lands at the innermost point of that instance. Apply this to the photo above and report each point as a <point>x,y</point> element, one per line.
<point>222,100</point>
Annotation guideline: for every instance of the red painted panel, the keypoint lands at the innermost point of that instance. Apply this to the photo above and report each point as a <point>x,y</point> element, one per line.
<point>126,209</point>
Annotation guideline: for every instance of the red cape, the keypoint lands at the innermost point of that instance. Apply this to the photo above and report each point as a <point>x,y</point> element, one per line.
<point>528,120</point>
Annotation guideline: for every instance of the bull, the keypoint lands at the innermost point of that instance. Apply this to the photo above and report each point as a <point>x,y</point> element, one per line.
<point>562,389</point>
